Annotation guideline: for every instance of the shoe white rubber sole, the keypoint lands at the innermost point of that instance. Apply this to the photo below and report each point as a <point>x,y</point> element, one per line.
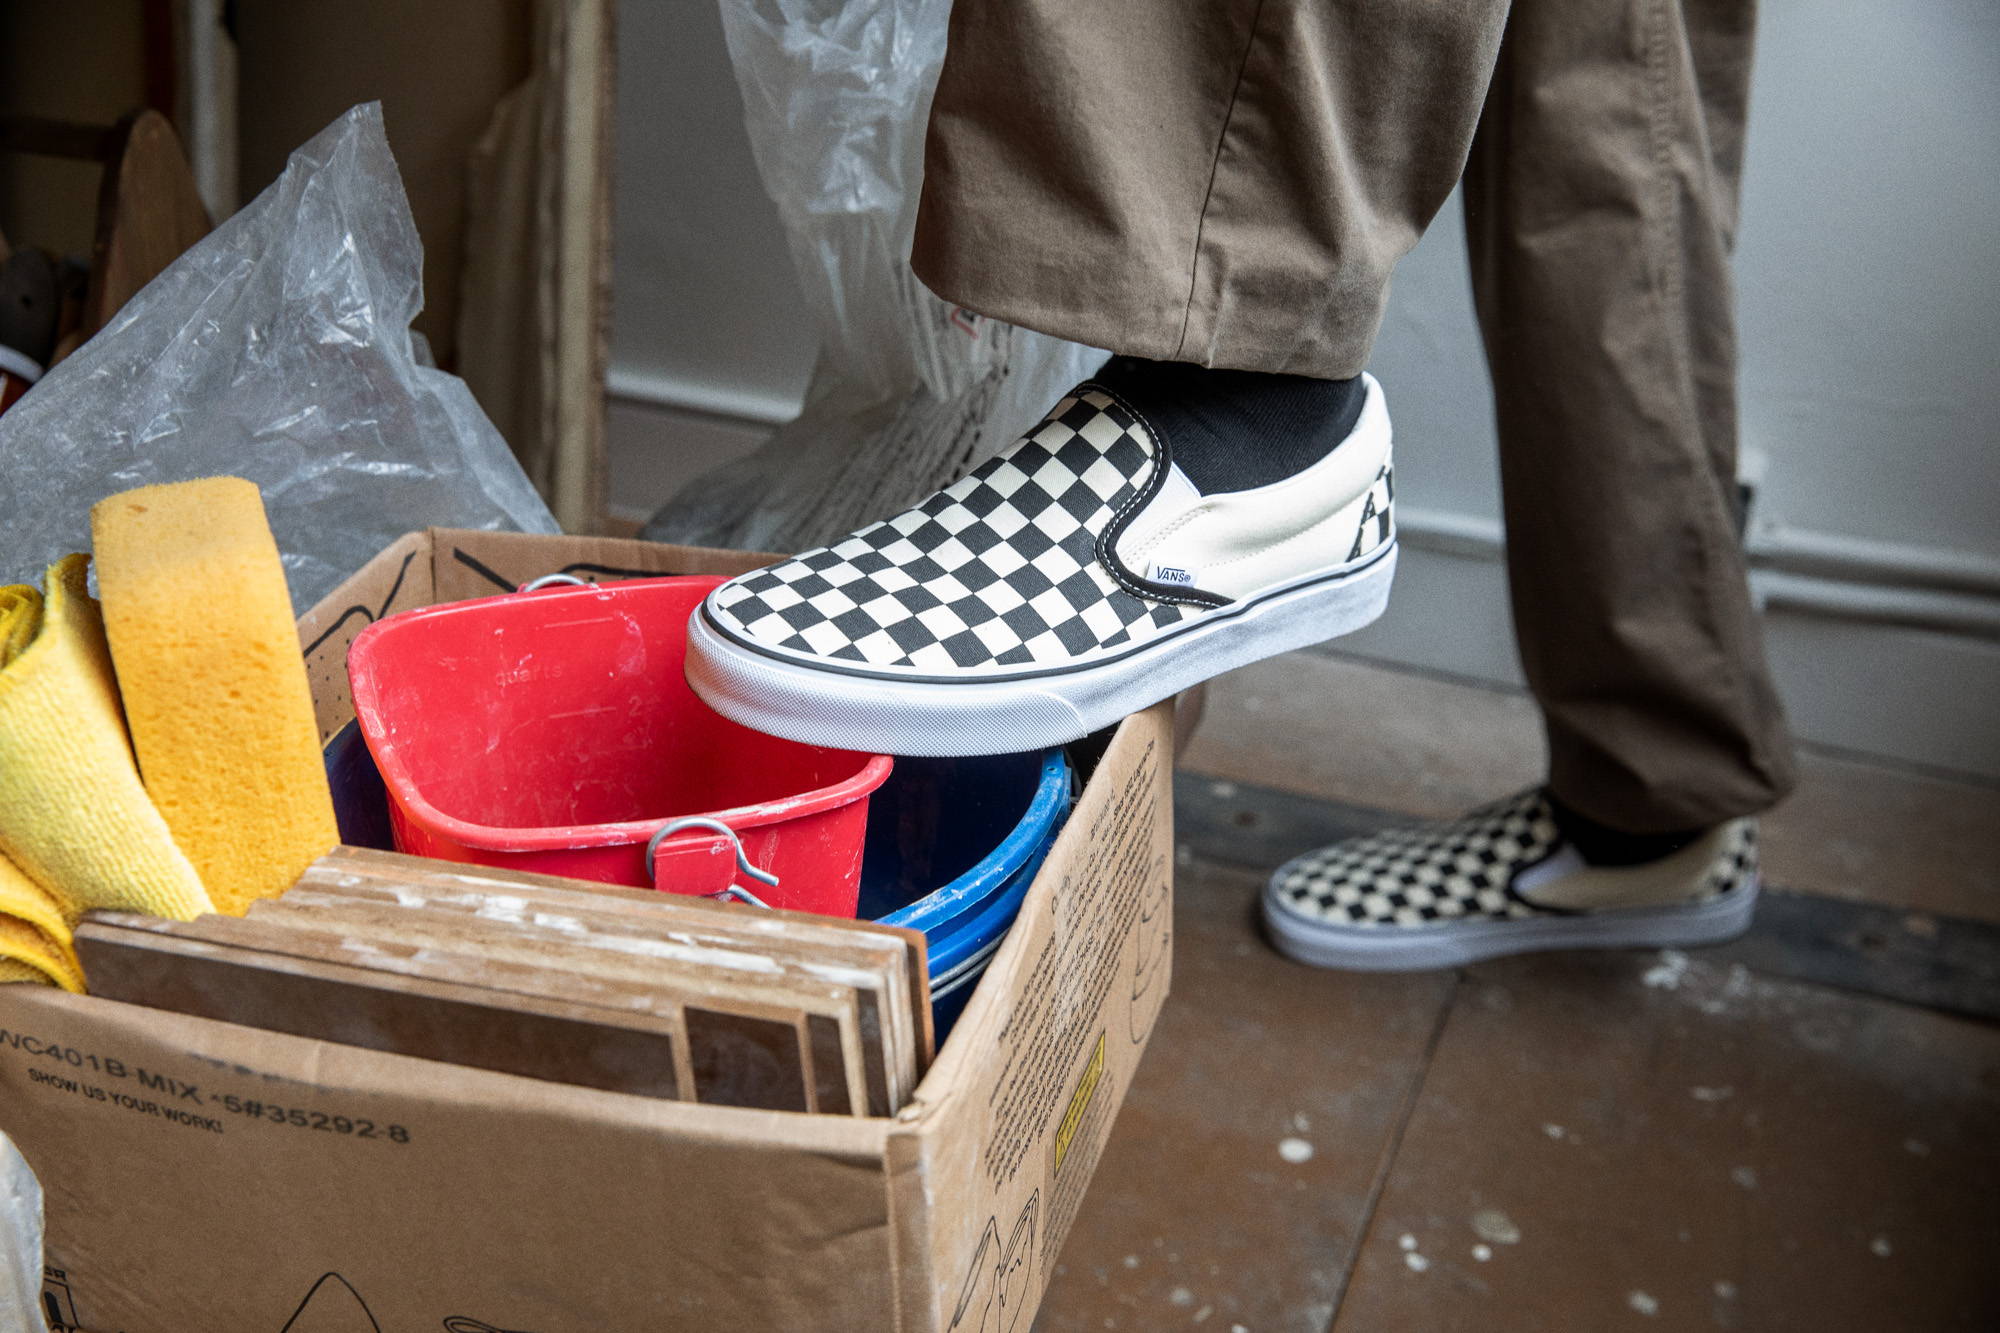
<point>1455,943</point>
<point>858,709</point>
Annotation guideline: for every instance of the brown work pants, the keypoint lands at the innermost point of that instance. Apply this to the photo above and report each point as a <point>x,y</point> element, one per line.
<point>1230,182</point>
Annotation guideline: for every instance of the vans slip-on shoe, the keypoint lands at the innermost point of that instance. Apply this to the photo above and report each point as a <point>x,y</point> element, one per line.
<point>1074,578</point>
<point>1502,880</point>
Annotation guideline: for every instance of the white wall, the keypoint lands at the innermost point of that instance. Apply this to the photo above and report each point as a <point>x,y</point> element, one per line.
<point>1869,269</point>
<point>702,289</point>
<point>1869,281</point>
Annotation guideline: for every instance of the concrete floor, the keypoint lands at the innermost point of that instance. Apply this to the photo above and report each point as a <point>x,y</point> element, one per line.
<point>1800,1131</point>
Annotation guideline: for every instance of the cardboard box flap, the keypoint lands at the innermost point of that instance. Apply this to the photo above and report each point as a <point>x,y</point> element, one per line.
<point>397,579</point>
<point>470,563</point>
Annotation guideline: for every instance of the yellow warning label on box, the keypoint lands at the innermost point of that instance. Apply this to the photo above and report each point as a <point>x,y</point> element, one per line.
<point>1079,1101</point>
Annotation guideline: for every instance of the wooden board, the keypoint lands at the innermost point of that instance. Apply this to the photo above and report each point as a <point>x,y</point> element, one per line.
<point>761,1031</point>
<point>356,866</point>
<point>885,964</point>
<point>149,212</point>
<point>463,1024</point>
<point>713,981</point>
<point>867,1044</point>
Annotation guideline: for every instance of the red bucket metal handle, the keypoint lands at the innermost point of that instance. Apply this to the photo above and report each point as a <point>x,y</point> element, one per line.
<point>707,867</point>
<point>556,580</point>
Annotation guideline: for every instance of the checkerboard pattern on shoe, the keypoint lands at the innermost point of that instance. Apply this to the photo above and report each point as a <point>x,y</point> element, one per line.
<point>1000,569</point>
<point>1464,870</point>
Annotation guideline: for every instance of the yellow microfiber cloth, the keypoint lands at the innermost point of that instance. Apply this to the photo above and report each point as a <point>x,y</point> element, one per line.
<point>20,620</point>
<point>33,933</point>
<point>73,815</point>
<point>215,689</point>
<point>27,954</point>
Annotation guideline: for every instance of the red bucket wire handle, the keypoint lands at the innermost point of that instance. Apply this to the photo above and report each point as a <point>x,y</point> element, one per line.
<point>696,863</point>
<point>556,580</point>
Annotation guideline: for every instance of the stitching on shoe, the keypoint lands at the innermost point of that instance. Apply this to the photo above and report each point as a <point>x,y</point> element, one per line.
<point>1107,540</point>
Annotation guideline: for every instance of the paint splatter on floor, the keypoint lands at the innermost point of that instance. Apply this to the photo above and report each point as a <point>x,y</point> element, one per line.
<point>1295,1151</point>
<point>1643,1303</point>
<point>1490,1224</point>
<point>1667,973</point>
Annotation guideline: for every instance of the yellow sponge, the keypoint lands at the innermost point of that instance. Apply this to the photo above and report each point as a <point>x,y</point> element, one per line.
<point>215,689</point>
<point>73,816</point>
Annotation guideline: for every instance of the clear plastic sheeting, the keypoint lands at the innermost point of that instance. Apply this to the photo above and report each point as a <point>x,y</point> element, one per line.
<point>20,1241</point>
<point>908,392</point>
<point>277,349</point>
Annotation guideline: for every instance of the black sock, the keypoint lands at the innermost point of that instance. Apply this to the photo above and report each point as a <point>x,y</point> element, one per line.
<point>1233,430</point>
<point>1602,845</point>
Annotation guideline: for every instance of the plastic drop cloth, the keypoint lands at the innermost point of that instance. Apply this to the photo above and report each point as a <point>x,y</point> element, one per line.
<point>908,392</point>
<point>20,1241</point>
<point>277,349</point>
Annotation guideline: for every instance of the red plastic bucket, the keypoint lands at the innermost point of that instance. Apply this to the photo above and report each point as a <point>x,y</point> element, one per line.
<point>552,731</point>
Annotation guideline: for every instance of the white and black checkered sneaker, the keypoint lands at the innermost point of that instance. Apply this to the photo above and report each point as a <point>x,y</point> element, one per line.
<point>1502,880</point>
<point>1074,578</point>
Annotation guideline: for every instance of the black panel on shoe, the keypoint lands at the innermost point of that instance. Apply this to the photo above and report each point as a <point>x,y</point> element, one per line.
<point>1235,430</point>
<point>1602,845</point>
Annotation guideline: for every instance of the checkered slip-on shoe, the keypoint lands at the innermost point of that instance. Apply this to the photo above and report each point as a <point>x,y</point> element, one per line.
<point>1076,577</point>
<point>1502,880</point>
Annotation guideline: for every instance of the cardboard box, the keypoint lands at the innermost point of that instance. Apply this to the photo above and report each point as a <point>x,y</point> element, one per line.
<point>203,1176</point>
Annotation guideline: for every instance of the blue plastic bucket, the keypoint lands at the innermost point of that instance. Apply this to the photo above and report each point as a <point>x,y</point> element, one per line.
<point>360,799</point>
<point>952,846</point>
